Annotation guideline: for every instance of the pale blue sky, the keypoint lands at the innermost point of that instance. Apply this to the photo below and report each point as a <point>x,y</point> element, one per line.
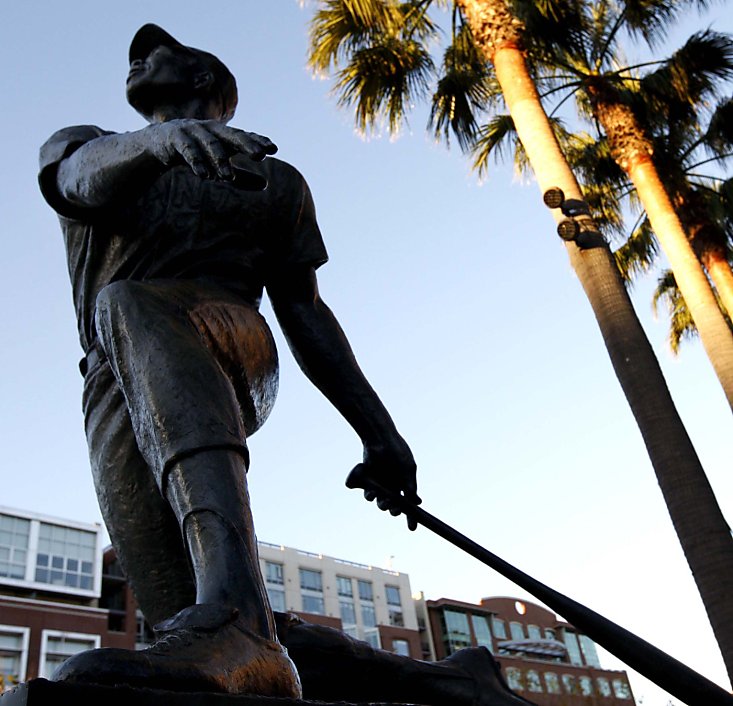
<point>459,302</point>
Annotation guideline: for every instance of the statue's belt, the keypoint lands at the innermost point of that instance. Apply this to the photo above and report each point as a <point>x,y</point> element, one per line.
<point>91,360</point>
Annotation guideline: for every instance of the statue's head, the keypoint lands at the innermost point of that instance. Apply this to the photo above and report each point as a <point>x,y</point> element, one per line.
<point>165,75</point>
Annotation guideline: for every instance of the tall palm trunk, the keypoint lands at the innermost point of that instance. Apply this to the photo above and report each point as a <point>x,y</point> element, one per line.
<point>696,516</point>
<point>632,151</point>
<point>717,266</point>
<point>705,237</point>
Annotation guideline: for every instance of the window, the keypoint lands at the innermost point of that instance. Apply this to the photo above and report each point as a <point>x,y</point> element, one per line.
<point>56,647</point>
<point>144,634</point>
<point>65,556</point>
<point>344,586</point>
<point>401,647</point>
<point>313,604</point>
<point>514,679</point>
<point>348,612</point>
<point>277,599</point>
<point>552,683</point>
<point>311,580</point>
<point>534,683</point>
<point>311,584</point>
<point>274,573</point>
<point>14,534</point>
<point>588,648</point>
<point>366,593</point>
<point>368,615</point>
<point>393,596</point>
<point>482,632</point>
<point>457,632</point>
<point>13,655</point>
<point>517,630</point>
<point>394,605</point>
<point>499,628</point>
<point>586,686</point>
<point>571,642</point>
<point>372,637</point>
<point>396,618</point>
<point>550,634</point>
<point>621,689</point>
<point>533,632</point>
<point>604,688</point>
<point>571,686</point>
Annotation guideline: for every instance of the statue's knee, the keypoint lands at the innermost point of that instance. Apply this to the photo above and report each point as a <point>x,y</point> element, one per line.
<point>116,301</point>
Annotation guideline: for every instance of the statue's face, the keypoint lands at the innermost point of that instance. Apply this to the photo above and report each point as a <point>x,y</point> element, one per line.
<point>166,77</point>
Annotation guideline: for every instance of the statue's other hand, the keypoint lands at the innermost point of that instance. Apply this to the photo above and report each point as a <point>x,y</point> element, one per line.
<point>392,467</point>
<point>205,145</point>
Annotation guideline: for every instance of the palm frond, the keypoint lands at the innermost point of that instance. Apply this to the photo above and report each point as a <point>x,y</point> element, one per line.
<point>553,25</point>
<point>693,73</point>
<point>719,135</point>
<point>495,139</point>
<point>681,325</point>
<point>467,87</point>
<point>383,80</point>
<point>652,18</point>
<point>638,254</point>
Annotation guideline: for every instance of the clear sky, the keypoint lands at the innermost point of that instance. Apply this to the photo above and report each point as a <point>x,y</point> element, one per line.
<point>458,300</point>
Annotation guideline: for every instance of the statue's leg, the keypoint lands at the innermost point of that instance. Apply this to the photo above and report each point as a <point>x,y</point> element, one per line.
<point>141,524</point>
<point>167,345</point>
<point>335,667</point>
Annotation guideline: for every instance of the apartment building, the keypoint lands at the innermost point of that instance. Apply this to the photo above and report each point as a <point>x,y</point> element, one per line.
<point>366,602</point>
<point>50,589</point>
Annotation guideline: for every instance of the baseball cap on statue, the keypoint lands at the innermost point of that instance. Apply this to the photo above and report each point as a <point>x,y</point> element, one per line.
<point>150,36</point>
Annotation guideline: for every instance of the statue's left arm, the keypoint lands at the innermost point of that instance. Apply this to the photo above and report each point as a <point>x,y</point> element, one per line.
<point>321,349</point>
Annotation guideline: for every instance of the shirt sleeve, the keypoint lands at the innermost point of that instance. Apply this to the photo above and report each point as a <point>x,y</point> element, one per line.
<point>306,247</point>
<point>57,148</point>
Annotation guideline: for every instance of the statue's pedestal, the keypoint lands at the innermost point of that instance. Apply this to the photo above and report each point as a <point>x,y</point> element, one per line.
<point>40,692</point>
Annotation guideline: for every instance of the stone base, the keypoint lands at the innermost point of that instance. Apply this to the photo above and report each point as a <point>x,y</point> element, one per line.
<point>40,692</point>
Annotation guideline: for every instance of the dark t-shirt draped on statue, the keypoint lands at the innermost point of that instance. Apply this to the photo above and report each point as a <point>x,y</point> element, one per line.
<point>182,227</point>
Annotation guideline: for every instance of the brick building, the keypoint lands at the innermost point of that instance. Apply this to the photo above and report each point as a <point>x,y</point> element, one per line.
<point>542,657</point>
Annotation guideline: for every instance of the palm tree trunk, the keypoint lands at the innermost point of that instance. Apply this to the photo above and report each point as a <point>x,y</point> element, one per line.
<point>718,267</point>
<point>632,151</point>
<point>696,515</point>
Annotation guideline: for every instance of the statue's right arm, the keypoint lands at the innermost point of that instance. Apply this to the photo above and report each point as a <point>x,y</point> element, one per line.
<point>96,172</point>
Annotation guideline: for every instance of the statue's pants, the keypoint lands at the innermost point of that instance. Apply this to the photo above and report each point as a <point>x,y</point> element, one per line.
<point>180,366</point>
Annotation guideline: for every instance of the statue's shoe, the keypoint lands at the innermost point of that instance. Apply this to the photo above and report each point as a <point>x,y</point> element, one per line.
<point>483,669</point>
<point>203,648</point>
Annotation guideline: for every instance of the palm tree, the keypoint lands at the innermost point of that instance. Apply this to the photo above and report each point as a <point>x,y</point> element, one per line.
<point>703,200</point>
<point>615,98</point>
<point>378,52</point>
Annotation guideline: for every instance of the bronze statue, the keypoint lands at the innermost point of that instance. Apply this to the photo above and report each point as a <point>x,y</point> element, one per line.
<point>171,240</point>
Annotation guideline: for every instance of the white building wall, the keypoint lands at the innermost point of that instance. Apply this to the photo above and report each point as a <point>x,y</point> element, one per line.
<point>295,559</point>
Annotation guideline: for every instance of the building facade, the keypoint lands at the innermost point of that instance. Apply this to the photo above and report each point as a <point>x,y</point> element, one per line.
<point>51,580</point>
<point>366,602</point>
<point>543,658</point>
<point>61,593</point>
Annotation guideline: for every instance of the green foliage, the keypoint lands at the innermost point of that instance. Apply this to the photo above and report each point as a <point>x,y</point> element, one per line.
<point>638,254</point>
<point>378,50</point>
<point>383,80</point>
<point>652,18</point>
<point>719,136</point>
<point>681,325</point>
<point>693,74</point>
<point>467,87</point>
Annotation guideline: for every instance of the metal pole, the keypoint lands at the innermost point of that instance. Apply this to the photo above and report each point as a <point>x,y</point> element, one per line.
<point>665,671</point>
